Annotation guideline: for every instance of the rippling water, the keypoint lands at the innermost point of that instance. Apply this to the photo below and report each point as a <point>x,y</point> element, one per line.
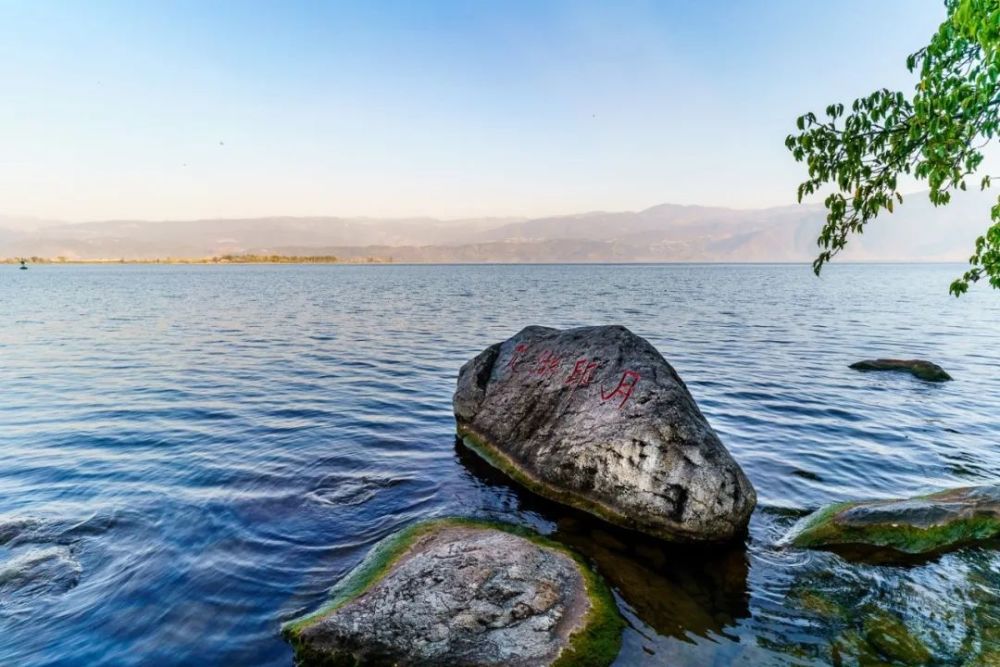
<point>192,455</point>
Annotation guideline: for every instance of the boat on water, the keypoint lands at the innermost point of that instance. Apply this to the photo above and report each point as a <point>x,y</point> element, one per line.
<point>24,265</point>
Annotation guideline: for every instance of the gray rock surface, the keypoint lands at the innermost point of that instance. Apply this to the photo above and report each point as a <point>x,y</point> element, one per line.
<point>458,594</point>
<point>924,370</point>
<point>597,419</point>
<point>925,524</point>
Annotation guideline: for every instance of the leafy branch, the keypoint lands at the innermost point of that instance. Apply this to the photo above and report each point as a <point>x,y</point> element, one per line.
<point>937,134</point>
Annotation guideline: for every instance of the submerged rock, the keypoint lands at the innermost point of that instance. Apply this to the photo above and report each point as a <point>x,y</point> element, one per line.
<point>924,370</point>
<point>890,637</point>
<point>12,529</point>
<point>595,418</point>
<point>38,571</point>
<point>926,524</point>
<point>464,592</point>
<point>862,634</point>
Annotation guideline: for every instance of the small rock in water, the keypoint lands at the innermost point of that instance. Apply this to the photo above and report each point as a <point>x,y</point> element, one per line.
<point>890,637</point>
<point>350,490</point>
<point>596,418</point>
<point>807,474</point>
<point>464,592</point>
<point>13,529</point>
<point>38,571</point>
<point>865,635</point>
<point>925,524</point>
<point>924,370</point>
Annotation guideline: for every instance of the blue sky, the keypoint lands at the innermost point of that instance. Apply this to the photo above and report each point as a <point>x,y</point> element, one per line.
<point>204,109</point>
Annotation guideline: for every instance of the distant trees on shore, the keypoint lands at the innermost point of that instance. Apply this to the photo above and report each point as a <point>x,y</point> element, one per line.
<point>218,259</point>
<point>274,259</point>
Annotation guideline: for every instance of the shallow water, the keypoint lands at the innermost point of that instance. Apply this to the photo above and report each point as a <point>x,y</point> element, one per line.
<point>193,454</point>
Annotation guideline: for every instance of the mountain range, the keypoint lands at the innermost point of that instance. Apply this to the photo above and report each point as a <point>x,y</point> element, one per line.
<point>917,231</point>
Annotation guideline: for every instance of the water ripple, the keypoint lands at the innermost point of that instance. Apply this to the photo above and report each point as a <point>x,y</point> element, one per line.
<point>194,454</point>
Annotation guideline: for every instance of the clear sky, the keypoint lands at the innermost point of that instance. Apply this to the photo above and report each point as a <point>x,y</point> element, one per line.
<point>187,109</point>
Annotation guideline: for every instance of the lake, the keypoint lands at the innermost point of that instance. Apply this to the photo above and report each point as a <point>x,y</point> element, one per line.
<point>194,454</point>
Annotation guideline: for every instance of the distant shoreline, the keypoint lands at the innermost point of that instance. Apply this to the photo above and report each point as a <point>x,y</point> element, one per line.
<point>365,261</point>
<point>221,259</point>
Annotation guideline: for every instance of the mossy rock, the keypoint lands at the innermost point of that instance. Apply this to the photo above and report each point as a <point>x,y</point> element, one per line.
<point>918,368</point>
<point>987,658</point>
<point>464,592</point>
<point>850,648</point>
<point>923,525</point>
<point>890,637</point>
<point>821,605</point>
<point>882,639</point>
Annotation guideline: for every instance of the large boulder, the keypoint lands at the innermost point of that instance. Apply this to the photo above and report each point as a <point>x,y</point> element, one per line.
<point>595,418</point>
<point>464,592</point>
<point>925,524</point>
<point>918,368</point>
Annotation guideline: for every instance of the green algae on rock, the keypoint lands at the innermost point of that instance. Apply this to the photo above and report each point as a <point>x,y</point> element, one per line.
<point>595,418</point>
<point>924,370</point>
<point>922,525</point>
<point>464,591</point>
<point>863,635</point>
<point>816,602</point>
<point>890,637</point>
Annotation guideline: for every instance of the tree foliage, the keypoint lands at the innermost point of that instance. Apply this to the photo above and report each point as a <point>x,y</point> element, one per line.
<point>936,134</point>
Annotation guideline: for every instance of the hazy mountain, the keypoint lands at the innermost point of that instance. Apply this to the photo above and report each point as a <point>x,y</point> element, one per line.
<point>917,231</point>
<point>25,223</point>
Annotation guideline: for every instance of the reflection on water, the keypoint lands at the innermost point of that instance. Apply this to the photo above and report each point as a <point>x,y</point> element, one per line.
<point>192,455</point>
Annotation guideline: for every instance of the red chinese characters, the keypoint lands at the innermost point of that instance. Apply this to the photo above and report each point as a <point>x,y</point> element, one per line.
<point>583,373</point>
<point>547,364</point>
<point>515,358</point>
<point>624,389</point>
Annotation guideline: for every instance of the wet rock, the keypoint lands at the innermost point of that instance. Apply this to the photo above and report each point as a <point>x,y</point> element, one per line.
<point>596,418</point>
<point>926,524</point>
<point>344,489</point>
<point>821,604</point>
<point>869,635</point>
<point>677,589</point>
<point>924,370</point>
<point>40,571</point>
<point>851,648</point>
<point>987,657</point>
<point>463,592</point>
<point>12,529</point>
<point>890,637</point>
<point>883,639</point>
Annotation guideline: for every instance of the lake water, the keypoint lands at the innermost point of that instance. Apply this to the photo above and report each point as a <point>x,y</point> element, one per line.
<point>193,454</point>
